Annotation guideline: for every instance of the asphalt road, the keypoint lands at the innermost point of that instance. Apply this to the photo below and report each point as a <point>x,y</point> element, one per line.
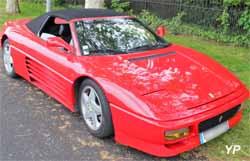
<point>33,126</point>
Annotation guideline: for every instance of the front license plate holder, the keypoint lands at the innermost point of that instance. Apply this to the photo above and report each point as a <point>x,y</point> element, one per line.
<point>213,132</point>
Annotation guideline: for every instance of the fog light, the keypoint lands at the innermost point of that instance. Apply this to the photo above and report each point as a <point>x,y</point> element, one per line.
<point>176,134</point>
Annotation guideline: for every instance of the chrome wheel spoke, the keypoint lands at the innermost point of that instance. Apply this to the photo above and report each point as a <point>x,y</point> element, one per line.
<point>92,94</point>
<point>89,115</point>
<point>85,98</point>
<point>96,108</point>
<point>10,59</point>
<point>4,58</point>
<point>93,118</point>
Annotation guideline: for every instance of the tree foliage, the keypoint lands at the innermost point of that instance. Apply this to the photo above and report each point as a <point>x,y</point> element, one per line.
<point>244,19</point>
<point>119,6</point>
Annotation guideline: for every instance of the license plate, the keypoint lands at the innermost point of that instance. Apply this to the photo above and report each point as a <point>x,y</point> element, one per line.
<point>213,132</point>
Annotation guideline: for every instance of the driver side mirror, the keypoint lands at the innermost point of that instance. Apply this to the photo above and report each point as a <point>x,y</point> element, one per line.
<point>58,42</point>
<point>161,31</point>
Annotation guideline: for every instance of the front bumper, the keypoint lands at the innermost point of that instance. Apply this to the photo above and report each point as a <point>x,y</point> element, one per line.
<point>148,135</point>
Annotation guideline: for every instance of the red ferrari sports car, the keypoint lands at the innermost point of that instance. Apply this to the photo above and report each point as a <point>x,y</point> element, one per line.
<point>125,79</point>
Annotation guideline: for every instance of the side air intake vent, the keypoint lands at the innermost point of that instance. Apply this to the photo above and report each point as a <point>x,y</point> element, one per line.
<point>45,78</point>
<point>28,65</point>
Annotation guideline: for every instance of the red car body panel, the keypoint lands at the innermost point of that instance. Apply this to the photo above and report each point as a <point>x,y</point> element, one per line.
<point>178,89</point>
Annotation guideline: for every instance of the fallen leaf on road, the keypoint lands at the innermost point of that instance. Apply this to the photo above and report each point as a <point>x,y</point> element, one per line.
<point>105,155</point>
<point>53,110</point>
<point>63,127</point>
<point>66,125</point>
<point>82,142</point>
<point>74,148</point>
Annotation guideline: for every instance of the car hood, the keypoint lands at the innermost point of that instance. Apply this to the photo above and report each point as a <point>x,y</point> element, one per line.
<point>163,84</point>
<point>174,79</point>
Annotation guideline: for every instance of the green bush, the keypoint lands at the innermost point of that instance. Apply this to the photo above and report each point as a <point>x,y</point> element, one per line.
<point>56,2</point>
<point>224,20</point>
<point>151,19</point>
<point>244,21</point>
<point>120,6</point>
<point>177,26</point>
<point>59,2</point>
<point>175,23</point>
<point>35,1</point>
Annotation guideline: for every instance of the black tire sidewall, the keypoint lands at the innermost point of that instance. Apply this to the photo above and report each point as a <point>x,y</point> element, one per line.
<point>106,128</point>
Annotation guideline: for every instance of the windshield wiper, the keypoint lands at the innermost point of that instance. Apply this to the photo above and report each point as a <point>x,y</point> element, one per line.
<point>149,46</point>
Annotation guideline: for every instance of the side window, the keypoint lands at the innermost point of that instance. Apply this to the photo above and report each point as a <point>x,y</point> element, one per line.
<point>53,28</point>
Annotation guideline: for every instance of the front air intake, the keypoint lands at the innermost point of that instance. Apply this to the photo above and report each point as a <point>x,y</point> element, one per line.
<point>210,123</point>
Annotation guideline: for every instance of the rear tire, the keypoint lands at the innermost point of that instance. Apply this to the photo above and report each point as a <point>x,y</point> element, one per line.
<point>8,60</point>
<point>95,109</point>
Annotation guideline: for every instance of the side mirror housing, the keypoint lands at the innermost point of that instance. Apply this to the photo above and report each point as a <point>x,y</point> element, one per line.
<point>58,42</point>
<point>161,31</point>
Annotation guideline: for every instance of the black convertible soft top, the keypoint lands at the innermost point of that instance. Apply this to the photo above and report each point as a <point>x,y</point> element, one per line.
<point>69,14</point>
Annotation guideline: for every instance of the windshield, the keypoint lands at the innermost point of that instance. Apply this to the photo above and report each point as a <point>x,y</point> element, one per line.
<point>116,36</point>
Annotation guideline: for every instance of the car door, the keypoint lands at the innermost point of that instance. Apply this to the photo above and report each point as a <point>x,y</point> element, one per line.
<point>51,69</point>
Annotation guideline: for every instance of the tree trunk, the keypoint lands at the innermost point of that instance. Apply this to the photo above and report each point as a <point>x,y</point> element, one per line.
<point>94,3</point>
<point>12,6</point>
<point>48,5</point>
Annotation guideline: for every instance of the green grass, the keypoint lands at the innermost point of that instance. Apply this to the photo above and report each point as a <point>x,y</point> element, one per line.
<point>236,59</point>
<point>29,10</point>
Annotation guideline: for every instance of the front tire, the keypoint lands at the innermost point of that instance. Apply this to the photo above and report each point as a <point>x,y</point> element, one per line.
<point>95,109</point>
<point>8,60</point>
